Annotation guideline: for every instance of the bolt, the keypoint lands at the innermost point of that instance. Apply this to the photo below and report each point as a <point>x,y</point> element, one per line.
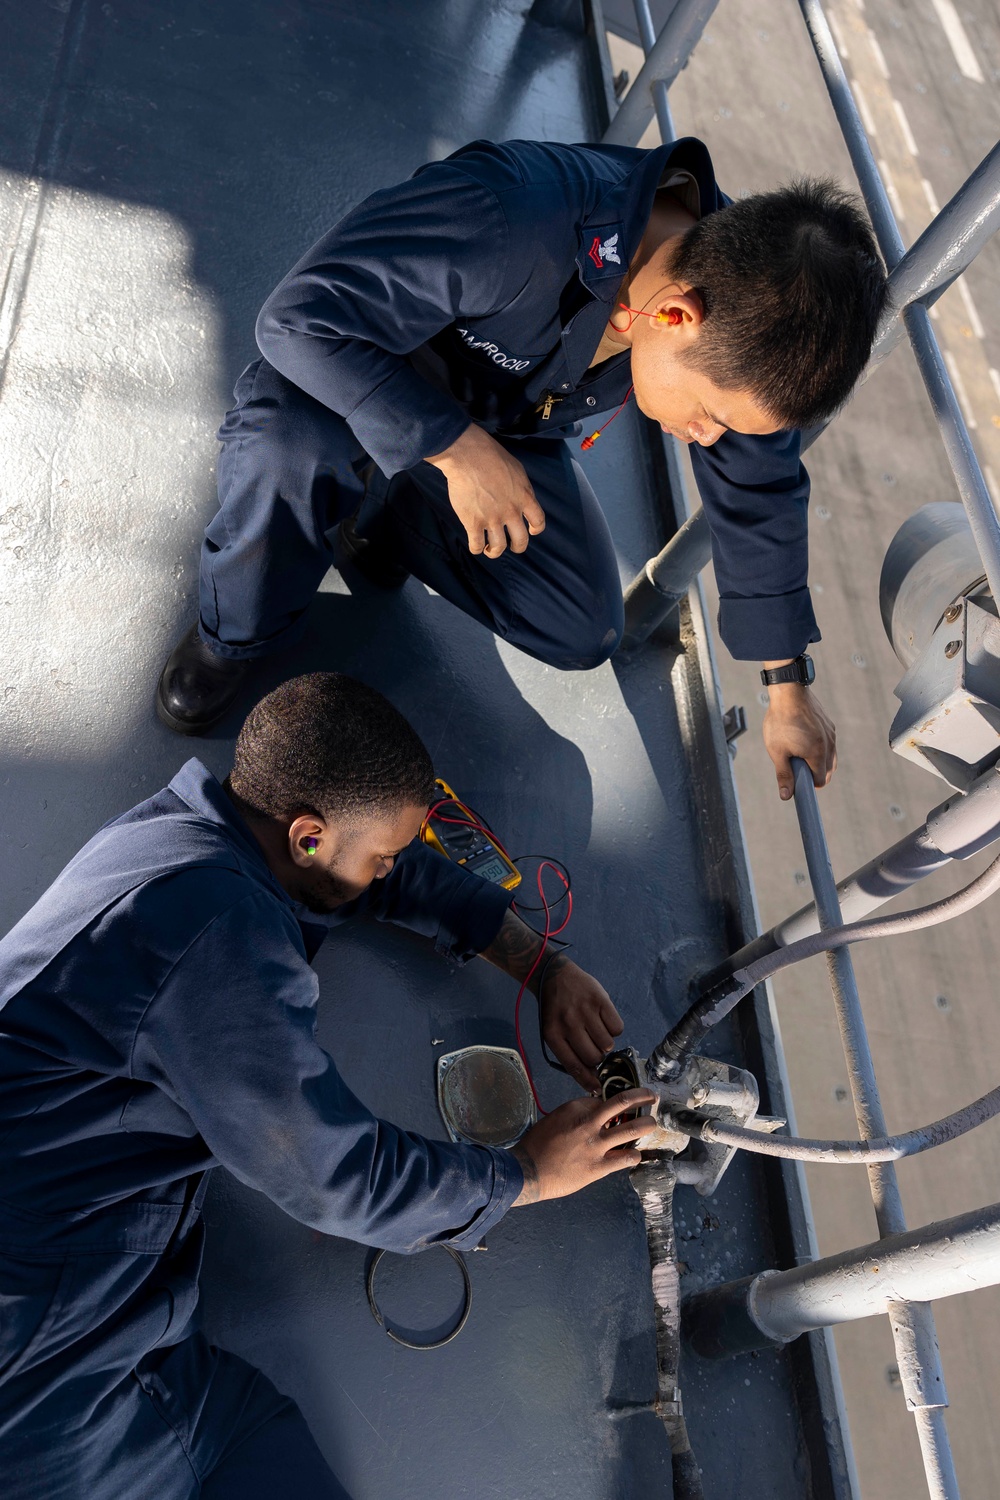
<point>952,649</point>
<point>952,612</point>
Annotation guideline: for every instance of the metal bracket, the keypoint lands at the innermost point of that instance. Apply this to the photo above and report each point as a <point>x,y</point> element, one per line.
<point>949,715</point>
<point>734,722</point>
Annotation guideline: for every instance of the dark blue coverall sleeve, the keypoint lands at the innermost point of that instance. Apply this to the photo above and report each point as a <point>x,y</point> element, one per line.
<point>230,1036</point>
<point>429,894</point>
<point>755,491</point>
<point>402,266</point>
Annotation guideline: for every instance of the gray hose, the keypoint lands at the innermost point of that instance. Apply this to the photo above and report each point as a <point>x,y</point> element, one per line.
<point>966,899</point>
<point>891,1148</point>
<point>666,1061</point>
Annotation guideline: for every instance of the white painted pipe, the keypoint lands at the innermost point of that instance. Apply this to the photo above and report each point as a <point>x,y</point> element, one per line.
<point>921,1265</point>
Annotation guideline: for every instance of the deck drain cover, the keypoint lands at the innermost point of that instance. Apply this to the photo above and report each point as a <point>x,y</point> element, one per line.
<point>484,1096</point>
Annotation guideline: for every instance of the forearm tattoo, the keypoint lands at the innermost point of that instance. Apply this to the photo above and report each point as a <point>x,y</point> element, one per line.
<point>515,949</point>
<point>529,1193</point>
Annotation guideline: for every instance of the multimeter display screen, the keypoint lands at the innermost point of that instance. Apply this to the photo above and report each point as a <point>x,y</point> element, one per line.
<point>490,868</point>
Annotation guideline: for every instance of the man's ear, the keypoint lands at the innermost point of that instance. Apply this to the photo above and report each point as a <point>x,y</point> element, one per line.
<point>677,309</point>
<point>309,839</point>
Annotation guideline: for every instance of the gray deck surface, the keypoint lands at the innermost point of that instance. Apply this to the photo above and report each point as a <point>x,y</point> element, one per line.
<point>161,168</point>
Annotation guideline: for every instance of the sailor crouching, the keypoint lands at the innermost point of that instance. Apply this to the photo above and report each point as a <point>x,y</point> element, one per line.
<point>159,1019</point>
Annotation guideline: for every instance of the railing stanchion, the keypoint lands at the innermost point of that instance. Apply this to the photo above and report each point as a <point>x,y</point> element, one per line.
<point>667,57</point>
<point>661,88</point>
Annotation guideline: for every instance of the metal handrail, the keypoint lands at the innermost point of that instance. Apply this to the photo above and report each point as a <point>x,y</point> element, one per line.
<point>667,56</point>
<point>947,247</point>
<point>912,1323</point>
<point>955,435</point>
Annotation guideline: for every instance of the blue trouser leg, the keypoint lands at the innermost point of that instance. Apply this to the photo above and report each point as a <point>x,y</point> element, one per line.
<point>287,476</point>
<point>280,1458</point>
<point>190,1423</point>
<point>560,601</point>
<point>89,1411</point>
<point>242,1439</point>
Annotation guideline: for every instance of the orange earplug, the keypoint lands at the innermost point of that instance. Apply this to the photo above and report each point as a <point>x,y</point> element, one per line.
<point>673,316</point>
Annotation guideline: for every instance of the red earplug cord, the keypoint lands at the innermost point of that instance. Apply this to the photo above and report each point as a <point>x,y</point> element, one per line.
<point>672,316</point>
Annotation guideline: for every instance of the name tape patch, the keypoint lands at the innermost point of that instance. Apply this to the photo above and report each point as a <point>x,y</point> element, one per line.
<point>492,351</point>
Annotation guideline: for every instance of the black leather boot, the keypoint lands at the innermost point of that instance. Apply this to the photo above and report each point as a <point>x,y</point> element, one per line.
<point>196,687</point>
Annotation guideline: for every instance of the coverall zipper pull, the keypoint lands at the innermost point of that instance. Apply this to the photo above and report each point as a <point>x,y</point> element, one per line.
<point>546,404</point>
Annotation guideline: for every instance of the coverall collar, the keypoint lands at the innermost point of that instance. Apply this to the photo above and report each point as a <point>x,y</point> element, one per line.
<point>195,785</point>
<point>624,211</point>
<point>611,235</point>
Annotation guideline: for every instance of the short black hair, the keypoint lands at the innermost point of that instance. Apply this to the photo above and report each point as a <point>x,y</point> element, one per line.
<point>793,290</point>
<point>328,745</point>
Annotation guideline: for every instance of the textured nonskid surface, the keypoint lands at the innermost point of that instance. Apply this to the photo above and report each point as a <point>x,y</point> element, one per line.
<point>161,168</point>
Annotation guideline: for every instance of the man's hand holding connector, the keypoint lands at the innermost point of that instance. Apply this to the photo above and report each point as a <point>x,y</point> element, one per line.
<point>579,1022</point>
<point>579,1143</point>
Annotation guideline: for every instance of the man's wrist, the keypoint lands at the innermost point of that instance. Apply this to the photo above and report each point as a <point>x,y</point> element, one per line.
<point>453,453</point>
<point>530,1192</point>
<point>516,948</point>
<point>551,963</point>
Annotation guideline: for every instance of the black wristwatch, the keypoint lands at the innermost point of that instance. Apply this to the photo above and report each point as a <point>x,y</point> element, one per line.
<point>802,669</point>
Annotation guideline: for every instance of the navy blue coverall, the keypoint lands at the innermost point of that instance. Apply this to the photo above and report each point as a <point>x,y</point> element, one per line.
<point>479,290</point>
<point>158,1018</point>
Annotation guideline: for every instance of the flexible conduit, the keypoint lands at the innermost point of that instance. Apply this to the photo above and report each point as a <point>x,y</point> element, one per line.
<point>667,1060</point>
<point>890,1148</point>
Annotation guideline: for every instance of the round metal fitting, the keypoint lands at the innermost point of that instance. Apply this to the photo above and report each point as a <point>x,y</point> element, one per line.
<point>931,562</point>
<point>591,400</point>
<point>952,649</point>
<point>952,612</point>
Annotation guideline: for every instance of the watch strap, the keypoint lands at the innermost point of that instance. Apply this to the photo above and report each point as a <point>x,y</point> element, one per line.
<point>801,670</point>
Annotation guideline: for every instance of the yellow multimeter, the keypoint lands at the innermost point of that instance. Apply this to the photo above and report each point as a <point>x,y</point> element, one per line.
<point>455,831</point>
